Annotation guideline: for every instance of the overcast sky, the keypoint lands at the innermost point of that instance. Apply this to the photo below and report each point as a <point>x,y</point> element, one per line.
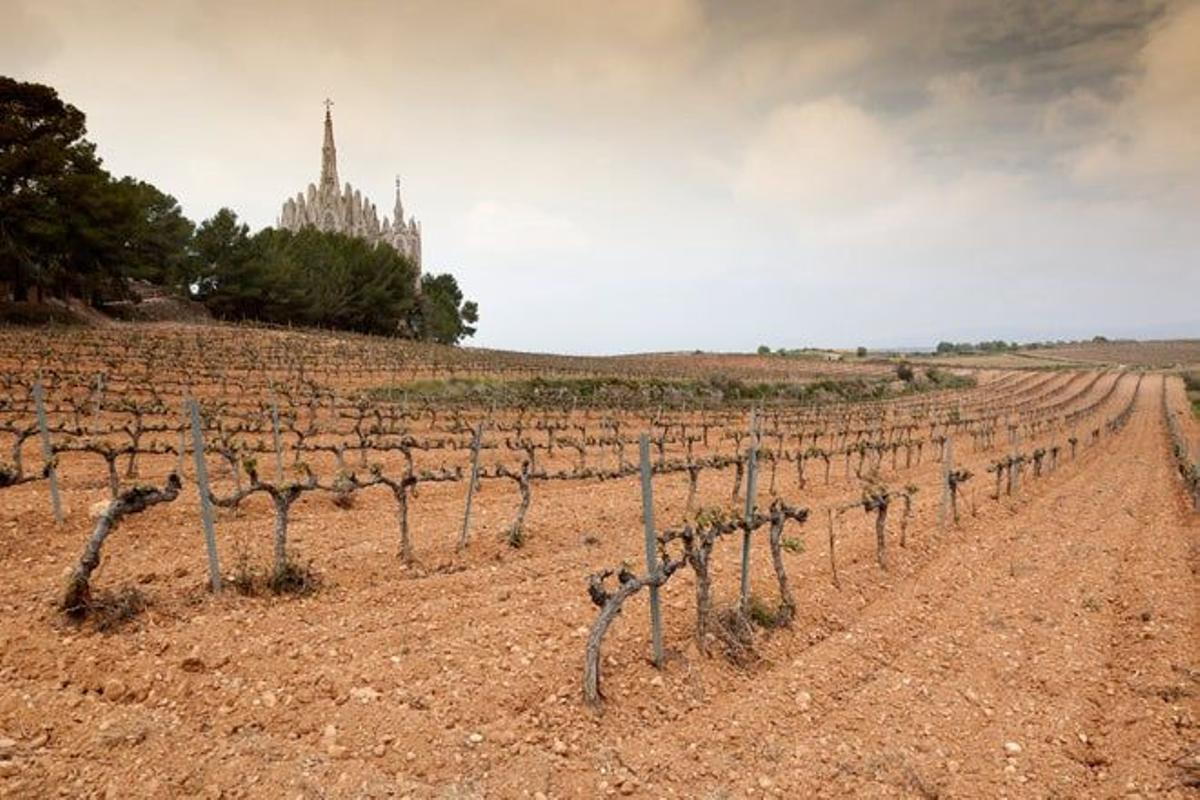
<point>635,175</point>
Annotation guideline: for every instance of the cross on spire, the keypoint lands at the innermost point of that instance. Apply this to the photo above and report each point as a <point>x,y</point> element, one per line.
<point>329,176</point>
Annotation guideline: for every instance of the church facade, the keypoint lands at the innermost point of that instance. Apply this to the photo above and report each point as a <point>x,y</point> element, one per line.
<point>329,207</point>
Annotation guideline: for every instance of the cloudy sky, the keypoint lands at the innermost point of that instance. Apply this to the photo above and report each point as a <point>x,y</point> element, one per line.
<point>676,174</point>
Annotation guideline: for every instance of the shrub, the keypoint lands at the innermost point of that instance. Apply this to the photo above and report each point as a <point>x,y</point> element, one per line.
<point>735,632</point>
<point>246,579</point>
<point>762,613</point>
<point>294,578</point>
<point>793,545</point>
<point>515,537</point>
<point>110,611</point>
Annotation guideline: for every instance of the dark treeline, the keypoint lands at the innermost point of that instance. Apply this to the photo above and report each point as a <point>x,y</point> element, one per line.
<point>1000,346</point>
<point>997,346</point>
<point>320,279</point>
<point>69,229</point>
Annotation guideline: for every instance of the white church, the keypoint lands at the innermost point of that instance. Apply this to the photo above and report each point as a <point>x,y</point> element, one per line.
<point>328,207</point>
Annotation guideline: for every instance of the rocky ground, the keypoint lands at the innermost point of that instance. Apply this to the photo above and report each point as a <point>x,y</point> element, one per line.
<point>1046,646</point>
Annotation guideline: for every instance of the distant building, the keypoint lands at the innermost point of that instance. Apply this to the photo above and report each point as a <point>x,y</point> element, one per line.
<point>327,207</point>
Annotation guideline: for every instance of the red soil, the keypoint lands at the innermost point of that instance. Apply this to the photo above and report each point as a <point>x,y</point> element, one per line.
<point>1046,646</point>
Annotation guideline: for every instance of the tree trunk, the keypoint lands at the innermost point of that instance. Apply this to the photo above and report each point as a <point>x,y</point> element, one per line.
<point>114,482</point>
<point>880,536</point>
<point>591,661</point>
<point>698,559</point>
<point>832,552</point>
<point>20,287</point>
<point>135,442</point>
<point>693,479</point>
<point>281,523</point>
<point>133,501</point>
<point>516,534</point>
<point>18,444</point>
<point>787,603</point>
<point>406,550</point>
<point>231,459</point>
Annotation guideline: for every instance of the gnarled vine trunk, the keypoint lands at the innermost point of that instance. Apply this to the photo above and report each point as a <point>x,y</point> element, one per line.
<point>132,501</point>
<point>787,602</point>
<point>881,513</point>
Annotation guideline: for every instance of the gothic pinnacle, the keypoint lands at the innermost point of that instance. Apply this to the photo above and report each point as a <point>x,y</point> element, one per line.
<point>329,176</point>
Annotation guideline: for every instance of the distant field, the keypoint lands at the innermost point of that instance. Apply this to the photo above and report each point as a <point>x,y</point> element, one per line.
<point>1167,354</point>
<point>746,367</point>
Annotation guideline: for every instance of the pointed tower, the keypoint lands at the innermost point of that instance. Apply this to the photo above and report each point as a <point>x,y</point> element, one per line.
<point>398,211</point>
<point>329,176</point>
<point>327,206</point>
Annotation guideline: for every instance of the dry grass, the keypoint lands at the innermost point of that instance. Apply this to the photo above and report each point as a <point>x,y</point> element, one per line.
<point>110,611</point>
<point>734,629</point>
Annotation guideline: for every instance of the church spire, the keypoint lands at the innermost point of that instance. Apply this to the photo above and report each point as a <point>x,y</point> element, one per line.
<point>329,176</point>
<point>398,211</point>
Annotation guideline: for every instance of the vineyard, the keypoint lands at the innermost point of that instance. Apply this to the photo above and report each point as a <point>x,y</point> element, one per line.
<point>1174,354</point>
<point>249,562</point>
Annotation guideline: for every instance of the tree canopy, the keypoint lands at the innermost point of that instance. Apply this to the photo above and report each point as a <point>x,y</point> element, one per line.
<point>445,316</point>
<point>42,154</point>
<point>304,278</point>
<point>66,226</point>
